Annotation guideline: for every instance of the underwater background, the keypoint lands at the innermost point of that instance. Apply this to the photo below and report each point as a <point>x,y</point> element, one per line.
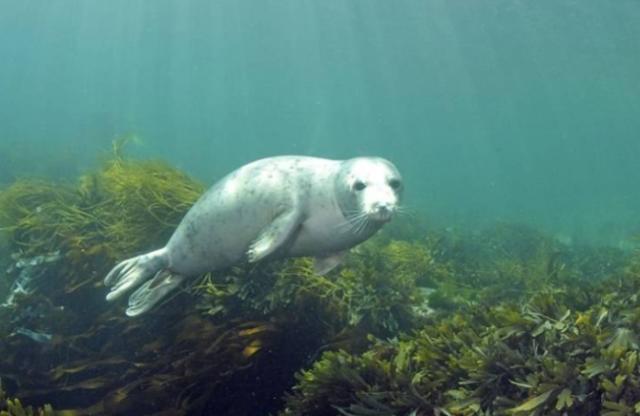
<point>509,288</point>
<point>497,109</point>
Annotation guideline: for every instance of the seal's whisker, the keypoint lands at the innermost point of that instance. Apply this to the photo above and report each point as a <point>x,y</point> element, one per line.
<point>360,216</point>
<point>356,216</point>
<point>366,224</point>
<point>362,225</point>
<point>404,208</point>
<point>406,211</point>
<point>363,220</point>
<point>351,220</point>
<point>352,223</point>
<point>356,226</point>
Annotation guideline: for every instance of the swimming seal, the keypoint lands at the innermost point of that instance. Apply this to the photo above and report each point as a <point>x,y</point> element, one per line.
<point>285,206</point>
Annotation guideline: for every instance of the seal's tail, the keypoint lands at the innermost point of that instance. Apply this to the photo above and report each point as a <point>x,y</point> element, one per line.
<point>147,271</point>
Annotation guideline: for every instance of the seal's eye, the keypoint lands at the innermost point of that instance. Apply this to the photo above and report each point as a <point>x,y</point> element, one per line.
<point>359,185</point>
<point>395,184</point>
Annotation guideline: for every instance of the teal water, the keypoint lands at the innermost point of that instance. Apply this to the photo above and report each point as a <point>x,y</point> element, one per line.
<point>493,110</point>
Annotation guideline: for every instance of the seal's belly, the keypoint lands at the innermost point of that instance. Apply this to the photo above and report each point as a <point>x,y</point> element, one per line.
<point>325,232</point>
<point>309,243</point>
<point>217,232</point>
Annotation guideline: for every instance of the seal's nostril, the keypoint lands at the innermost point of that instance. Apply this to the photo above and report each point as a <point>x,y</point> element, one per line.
<point>383,208</point>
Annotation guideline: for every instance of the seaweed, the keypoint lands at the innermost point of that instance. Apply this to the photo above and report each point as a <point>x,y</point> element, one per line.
<point>125,206</point>
<point>537,352</point>
<point>66,346</point>
<point>375,292</point>
<point>62,343</point>
<point>13,407</point>
<point>416,321</point>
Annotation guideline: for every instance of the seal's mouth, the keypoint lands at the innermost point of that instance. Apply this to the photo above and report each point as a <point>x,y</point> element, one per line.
<point>382,212</point>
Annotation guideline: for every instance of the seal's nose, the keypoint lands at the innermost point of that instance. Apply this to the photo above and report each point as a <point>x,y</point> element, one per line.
<point>383,210</point>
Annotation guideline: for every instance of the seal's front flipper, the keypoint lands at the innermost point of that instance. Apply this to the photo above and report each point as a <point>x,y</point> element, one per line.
<point>323,265</point>
<point>153,291</point>
<point>131,273</point>
<point>273,236</point>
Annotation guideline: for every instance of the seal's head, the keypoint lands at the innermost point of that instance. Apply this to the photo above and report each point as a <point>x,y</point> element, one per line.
<point>369,190</point>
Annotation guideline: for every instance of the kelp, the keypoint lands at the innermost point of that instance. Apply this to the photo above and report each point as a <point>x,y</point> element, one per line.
<point>513,262</point>
<point>146,201</point>
<point>376,291</point>
<point>63,344</point>
<point>13,407</point>
<point>503,321</point>
<point>124,207</point>
<point>542,352</point>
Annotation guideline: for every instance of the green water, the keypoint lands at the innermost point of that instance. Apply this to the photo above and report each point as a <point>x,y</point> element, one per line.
<point>524,111</point>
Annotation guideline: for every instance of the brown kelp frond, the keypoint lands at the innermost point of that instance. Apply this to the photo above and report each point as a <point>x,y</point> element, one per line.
<point>13,407</point>
<point>62,239</point>
<point>37,215</point>
<point>62,343</point>
<point>376,289</point>
<point>513,262</point>
<point>144,202</point>
<point>537,357</point>
<point>186,361</point>
<point>123,208</point>
<point>504,321</point>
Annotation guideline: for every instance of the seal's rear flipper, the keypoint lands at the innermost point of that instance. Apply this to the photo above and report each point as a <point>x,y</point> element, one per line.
<point>131,273</point>
<point>153,291</point>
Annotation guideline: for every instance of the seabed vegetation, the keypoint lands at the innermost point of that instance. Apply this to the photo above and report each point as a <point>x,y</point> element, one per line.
<point>417,322</point>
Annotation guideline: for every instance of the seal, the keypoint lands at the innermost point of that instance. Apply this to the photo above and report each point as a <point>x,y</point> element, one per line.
<point>284,206</point>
